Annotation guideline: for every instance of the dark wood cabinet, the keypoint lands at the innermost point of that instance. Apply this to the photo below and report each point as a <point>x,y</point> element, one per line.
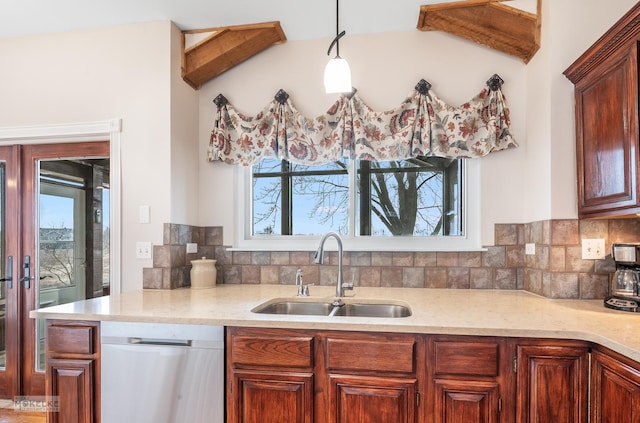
<point>279,397</point>
<point>73,371</point>
<point>370,377</point>
<point>303,376</point>
<point>615,388</point>
<point>371,399</point>
<point>552,381</point>
<point>270,374</point>
<point>468,380</point>
<point>606,119</point>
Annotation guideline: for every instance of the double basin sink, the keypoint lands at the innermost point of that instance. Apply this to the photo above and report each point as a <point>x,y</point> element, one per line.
<point>360,308</point>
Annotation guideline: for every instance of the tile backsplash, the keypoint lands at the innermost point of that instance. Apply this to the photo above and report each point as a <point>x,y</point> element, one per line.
<point>556,270</point>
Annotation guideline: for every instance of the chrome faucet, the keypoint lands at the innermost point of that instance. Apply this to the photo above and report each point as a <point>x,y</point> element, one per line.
<point>303,290</point>
<point>319,258</point>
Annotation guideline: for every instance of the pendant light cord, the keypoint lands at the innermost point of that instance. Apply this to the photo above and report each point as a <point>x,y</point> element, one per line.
<point>339,35</point>
<point>337,28</point>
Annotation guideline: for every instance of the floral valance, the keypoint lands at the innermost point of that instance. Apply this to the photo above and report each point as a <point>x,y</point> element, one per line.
<point>423,125</point>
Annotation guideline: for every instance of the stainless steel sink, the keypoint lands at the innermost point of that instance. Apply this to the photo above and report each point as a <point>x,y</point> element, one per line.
<point>355,309</point>
<point>373,310</point>
<point>295,307</point>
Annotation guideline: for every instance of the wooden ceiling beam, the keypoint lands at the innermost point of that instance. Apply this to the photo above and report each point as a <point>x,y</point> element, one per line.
<point>225,48</point>
<point>487,22</point>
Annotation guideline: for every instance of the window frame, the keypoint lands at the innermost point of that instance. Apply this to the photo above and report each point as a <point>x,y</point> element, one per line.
<point>470,241</point>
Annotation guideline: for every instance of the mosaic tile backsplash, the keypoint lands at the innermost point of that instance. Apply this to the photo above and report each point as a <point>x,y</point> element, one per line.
<point>556,270</point>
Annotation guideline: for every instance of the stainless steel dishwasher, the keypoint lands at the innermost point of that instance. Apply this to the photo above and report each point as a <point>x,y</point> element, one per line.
<point>162,373</point>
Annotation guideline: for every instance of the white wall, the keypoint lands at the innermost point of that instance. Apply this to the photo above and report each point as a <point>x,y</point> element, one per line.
<point>385,68</point>
<point>184,141</point>
<point>132,72</point>
<point>96,75</point>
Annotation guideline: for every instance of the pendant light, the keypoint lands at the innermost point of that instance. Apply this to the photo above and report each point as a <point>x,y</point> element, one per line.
<point>337,75</point>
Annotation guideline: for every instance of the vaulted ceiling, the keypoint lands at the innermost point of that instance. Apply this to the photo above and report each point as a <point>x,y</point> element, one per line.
<point>300,19</point>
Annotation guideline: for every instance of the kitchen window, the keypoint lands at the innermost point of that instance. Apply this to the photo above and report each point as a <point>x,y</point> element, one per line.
<point>416,204</point>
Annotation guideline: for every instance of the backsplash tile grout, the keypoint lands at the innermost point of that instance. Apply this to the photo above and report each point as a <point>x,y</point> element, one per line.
<point>556,270</point>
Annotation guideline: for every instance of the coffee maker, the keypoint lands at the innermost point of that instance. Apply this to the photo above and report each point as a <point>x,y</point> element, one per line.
<point>625,284</point>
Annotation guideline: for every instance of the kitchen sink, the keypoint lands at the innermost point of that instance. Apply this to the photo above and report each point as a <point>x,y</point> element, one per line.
<point>326,308</point>
<point>295,307</point>
<point>373,310</point>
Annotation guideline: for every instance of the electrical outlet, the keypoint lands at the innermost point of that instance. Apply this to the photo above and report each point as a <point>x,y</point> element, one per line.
<point>530,248</point>
<point>192,247</point>
<point>143,250</point>
<point>593,249</point>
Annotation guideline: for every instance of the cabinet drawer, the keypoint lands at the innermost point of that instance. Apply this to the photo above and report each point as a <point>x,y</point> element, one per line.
<point>71,339</point>
<point>272,351</point>
<point>466,358</point>
<point>390,355</point>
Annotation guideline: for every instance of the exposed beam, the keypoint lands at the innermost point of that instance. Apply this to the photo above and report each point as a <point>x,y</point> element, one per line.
<point>487,22</point>
<point>225,48</point>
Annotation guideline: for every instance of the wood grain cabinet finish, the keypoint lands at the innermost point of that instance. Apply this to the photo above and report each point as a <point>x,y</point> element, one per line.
<point>606,121</point>
<point>371,377</point>
<point>270,376</point>
<point>265,397</point>
<point>468,379</point>
<point>552,381</point>
<point>73,371</point>
<point>615,389</point>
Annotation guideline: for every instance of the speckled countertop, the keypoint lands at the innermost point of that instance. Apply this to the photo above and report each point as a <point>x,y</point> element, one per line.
<point>436,311</point>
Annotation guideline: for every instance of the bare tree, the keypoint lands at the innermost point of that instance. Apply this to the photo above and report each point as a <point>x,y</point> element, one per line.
<point>56,255</point>
<point>405,196</point>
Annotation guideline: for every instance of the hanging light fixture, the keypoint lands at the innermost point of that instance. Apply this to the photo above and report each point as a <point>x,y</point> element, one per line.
<point>337,75</point>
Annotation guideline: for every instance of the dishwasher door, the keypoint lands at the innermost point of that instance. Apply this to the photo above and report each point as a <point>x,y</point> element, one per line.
<point>162,373</point>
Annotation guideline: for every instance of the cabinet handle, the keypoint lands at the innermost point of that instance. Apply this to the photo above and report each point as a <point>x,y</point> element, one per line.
<point>417,399</point>
<point>515,364</point>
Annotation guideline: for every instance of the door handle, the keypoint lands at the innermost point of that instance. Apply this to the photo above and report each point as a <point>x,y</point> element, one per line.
<point>26,272</point>
<point>9,278</point>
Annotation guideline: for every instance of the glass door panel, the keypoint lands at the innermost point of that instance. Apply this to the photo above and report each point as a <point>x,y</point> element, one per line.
<point>9,294</point>
<point>64,213</point>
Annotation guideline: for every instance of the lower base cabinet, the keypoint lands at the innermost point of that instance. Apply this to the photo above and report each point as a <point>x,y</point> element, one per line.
<point>272,397</point>
<point>372,399</point>
<point>466,401</point>
<point>404,378</point>
<point>552,381</point>
<point>312,376</point>
<point>73,371</point>
<point>615,388</point>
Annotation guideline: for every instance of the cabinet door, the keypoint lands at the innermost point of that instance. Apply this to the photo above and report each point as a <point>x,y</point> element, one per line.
<point>466,401</point>
<point>71,381</point>
<point>615,390</point>
<point>264,397</point>
<point>365,399</point>
<point>607,137</point>
<point>552,384</point>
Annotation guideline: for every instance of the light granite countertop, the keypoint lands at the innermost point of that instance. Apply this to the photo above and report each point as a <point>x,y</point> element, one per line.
<point>434,311</point>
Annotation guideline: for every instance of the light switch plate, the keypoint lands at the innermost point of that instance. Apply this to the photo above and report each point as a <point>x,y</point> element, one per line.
<point>593,249</point>
<point>145,214</point>
<point>192,247</point>
<point>143,250</point>
<point>530,248</point>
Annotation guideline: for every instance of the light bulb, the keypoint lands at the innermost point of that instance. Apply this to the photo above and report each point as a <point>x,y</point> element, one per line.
<point>337,76</point>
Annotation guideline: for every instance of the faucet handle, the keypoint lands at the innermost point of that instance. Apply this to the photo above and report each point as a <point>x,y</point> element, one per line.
<point>305,289</point>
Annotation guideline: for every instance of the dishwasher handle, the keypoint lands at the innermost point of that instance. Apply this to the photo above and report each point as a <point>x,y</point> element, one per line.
<point>163,342</point>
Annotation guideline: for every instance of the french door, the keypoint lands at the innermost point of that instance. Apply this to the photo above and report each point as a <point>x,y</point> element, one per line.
<point>54,233</point>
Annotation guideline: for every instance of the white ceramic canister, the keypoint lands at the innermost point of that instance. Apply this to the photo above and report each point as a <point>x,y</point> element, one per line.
<point>203,273</point>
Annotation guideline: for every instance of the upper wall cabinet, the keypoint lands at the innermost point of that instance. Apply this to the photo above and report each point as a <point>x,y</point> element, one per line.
<point>606,106</point>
